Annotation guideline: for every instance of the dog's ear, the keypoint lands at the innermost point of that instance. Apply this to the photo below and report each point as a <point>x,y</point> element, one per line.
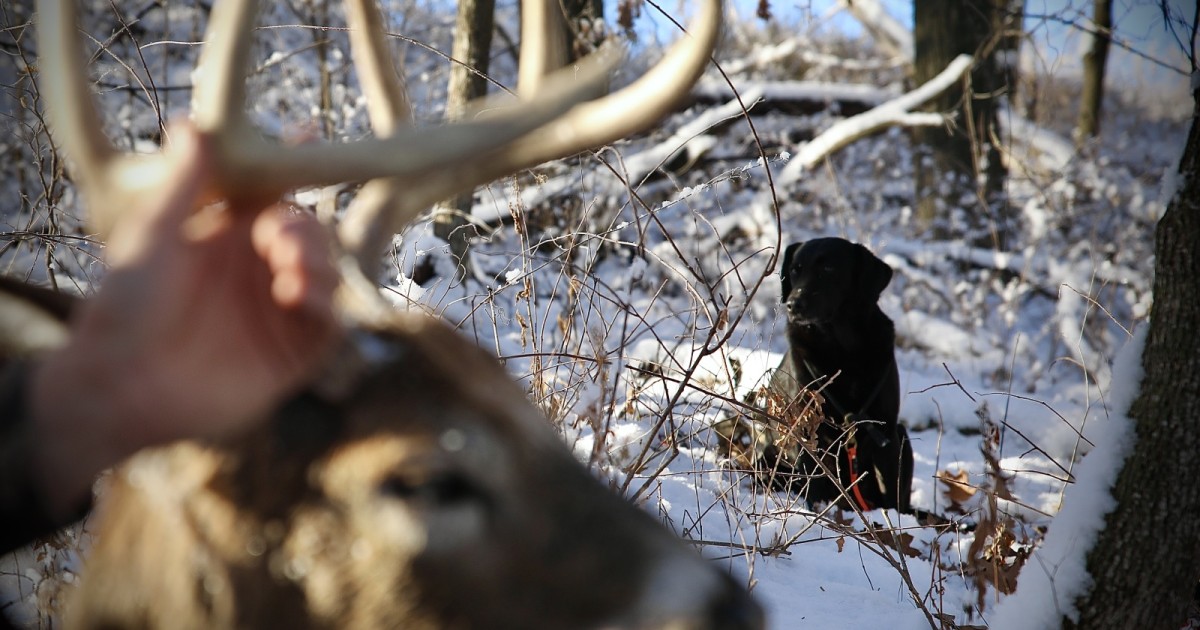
<point>785,271</point>
<point>873,275</point>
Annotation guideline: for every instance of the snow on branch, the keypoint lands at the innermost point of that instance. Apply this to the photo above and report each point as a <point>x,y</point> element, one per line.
<point>641,164</point>
<point>799,47</point>
<point>855,96</point>
<point>691,137</point>
<point>891,35</point>
<point>764,56</point>
<point>1046,272</point>
<point>1051,150</point>
<point>894,112</point>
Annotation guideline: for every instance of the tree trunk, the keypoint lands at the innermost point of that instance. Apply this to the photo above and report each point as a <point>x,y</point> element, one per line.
<point>1093,74</point>
<point>947,161</point>
<point>1146,561</point>
<point>1010,18</point>
<point>472,47</point>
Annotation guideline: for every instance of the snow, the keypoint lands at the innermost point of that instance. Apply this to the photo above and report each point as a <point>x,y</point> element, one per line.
<point>821,91</point>
<point>635,262</point>
<point>1057,573</point>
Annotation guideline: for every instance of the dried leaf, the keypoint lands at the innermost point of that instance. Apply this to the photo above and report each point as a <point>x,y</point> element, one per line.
<point>958,489</point>
<point>903,542</point>
<point>764,10</point>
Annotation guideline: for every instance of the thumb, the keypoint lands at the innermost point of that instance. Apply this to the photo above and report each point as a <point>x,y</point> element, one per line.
<point>188,178</point>
<point>163,213</point>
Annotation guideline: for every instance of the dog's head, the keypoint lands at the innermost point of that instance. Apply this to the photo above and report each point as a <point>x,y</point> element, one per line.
<point>828,278</point>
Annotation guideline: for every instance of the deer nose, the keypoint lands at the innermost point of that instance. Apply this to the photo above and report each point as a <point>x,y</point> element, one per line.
<point>732,608</point>
<point>691,593</point>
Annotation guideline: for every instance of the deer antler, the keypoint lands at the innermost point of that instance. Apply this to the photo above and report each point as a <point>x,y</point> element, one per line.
<point>418,166</point>
<point>365,229</point>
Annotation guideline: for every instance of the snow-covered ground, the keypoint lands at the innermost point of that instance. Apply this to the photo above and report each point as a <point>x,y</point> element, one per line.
<point>1004,356</point>
<point>640,296</point>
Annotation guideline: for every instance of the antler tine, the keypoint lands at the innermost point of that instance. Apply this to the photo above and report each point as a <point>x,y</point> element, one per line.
<point>248,164</point>
<point>388,108</point>
<point>622,113</point>
<point>587,125</point>
<point>383,207</point>
<point>434,163</point>
<point>542,45</point>
<point>109,179</point>
<point>251,164</point>
<point>219,97</point>
<point>387,101</point>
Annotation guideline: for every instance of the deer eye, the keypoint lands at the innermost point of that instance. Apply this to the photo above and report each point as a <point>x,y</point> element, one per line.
<point>436,489</point>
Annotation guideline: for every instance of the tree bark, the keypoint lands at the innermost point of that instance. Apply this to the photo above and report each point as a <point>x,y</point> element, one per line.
<point>1094,62</point>
<point>1010,18</point>
<point>472,49</point>
<point>948,160</point>
<point>1146,561</point>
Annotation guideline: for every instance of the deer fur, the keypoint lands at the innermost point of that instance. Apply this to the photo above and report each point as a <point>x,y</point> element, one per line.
<point>418,499</point>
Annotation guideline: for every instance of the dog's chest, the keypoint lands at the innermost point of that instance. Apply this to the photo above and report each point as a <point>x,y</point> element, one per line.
<point>845,375</point>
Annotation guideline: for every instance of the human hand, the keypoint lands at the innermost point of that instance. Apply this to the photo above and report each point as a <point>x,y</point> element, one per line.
<point>205,322</point>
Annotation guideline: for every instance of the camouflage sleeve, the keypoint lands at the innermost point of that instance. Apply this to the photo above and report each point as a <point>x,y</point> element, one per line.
<point>22,517</point>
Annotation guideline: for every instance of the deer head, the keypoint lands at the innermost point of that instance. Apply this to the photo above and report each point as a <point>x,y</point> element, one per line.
<point>416,486</point>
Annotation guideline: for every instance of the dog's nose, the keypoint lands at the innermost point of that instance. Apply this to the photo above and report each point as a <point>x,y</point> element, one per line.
<point>798,303</point>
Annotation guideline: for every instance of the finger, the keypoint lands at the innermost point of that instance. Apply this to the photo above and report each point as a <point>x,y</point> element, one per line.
<point>293,240</point>
<point>267,229</point>
<point>296,249</point>
<point>301,292</point>
<point>289,289</point>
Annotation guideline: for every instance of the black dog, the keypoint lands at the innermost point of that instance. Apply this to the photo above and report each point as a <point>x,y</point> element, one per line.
<point>842,345</point>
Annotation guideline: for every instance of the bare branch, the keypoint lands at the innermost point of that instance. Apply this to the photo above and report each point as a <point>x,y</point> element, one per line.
<point>894,112</point>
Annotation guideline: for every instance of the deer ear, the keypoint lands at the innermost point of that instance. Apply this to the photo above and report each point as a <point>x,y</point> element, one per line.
<point>785,271</point>
<point>873,275</point>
